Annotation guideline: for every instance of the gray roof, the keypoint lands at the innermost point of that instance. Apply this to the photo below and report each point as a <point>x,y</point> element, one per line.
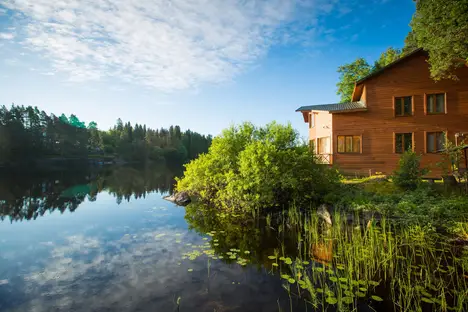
<point>337,107</point>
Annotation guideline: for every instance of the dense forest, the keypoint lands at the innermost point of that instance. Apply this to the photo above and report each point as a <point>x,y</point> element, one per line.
<point>28,134</point>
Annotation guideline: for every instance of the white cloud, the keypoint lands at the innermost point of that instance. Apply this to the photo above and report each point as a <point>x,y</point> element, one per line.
<point>167,45</point>
<point>48,74</point>
<point>11,61</point>
<point>7,36</point>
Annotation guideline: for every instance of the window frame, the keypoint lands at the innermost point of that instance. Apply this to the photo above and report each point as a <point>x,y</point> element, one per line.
<point>395,98</point>
<point>436,151</point>
<point>403,142</point>
<point>312,120</point>
<point>426,102</point>
<point>352,136</point>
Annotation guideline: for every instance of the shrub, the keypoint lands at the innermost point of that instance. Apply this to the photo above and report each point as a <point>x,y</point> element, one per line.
<point>248,168</point>
<point>408,175</point>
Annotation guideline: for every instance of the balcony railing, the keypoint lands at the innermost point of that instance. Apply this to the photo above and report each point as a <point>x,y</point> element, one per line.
<point>325,159</point>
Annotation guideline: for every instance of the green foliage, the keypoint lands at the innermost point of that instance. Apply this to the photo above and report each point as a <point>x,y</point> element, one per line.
<point>352,72</point>
<point>251,167</point>
<point>411,43</point>
<point>409,173</point>
<point>441,27</point>
<point>423,205</point>
<point>387,57</point>
<point>26,134</point>
<point>349,74</point>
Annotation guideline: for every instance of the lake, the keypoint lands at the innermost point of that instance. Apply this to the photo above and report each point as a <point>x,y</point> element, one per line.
<point>105,240</point>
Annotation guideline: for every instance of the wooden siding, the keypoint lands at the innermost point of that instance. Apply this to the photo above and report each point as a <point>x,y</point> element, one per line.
<point>378,125</point>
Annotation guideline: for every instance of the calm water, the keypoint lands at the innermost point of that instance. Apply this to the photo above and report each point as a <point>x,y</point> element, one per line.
<point>107,241</point>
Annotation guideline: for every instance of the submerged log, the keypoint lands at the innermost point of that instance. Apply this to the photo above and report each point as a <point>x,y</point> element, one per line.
<point>322,252</point>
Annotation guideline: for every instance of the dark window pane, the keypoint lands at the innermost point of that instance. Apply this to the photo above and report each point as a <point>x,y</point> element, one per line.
<point>398,106</point>
<point>408,138</point>
<point>430,142</point>
<point>440,103</point>
<point>356,144</point>
<point>341,144</point>
<point>430,104</point>
<point>349,144</point>
<point>407,106</point>
<point>398,143</point>
<point>440,141</point>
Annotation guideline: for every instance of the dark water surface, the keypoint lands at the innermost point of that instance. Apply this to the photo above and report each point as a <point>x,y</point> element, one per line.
<point>106,241</point>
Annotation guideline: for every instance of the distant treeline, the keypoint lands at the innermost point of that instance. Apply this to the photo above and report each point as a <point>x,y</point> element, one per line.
<point>28,134</point>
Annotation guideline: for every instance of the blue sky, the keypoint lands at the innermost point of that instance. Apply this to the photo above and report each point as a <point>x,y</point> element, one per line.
<point>201,64</point>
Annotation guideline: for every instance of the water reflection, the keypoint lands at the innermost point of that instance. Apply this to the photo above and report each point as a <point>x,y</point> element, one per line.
<point>126,249</point>
<point>27,196</point>
<point>106,241</point>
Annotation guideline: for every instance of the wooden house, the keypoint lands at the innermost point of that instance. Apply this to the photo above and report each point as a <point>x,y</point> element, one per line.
<point>395,109</point>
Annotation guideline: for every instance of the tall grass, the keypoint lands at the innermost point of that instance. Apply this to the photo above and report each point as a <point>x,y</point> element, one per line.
<point>345,264</point>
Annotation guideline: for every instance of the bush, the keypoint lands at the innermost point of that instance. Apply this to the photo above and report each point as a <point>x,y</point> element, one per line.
<point>408,175</point>
<point>248,168</point>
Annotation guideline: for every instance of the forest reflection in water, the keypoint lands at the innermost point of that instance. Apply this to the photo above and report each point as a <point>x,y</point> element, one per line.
<point>26,196</point>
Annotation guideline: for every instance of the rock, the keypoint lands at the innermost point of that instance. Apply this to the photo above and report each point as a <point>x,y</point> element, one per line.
<point>181,198</point>
<point>324,214</point>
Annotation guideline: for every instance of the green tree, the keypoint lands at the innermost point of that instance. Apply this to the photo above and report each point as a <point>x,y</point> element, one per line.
<point>441,28</point>
<point>387,57</point>
<point>349,74</point>
<point>92,125</point>
<point>411,43</point>
<point>409,173</point>
<point>249,167</point>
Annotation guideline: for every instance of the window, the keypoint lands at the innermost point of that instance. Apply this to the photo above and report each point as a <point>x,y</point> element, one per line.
<point>404,106</point>
<point>312,120</point>
<point>435,103</point>
<point>403,142</point>
<point>323,145</point>
<point>435,141</point>
<point>349,144</point>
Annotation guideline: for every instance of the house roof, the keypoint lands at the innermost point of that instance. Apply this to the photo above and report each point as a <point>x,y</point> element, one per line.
<point>398,61</point>
<point>334,108</point>
<point>358,86</point>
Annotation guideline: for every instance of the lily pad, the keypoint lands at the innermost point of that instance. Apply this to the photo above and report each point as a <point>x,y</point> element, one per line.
<point>347,300</point>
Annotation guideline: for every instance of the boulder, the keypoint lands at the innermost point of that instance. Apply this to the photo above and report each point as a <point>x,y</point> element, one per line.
<point>324,214</point>
<point>180,198</point>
